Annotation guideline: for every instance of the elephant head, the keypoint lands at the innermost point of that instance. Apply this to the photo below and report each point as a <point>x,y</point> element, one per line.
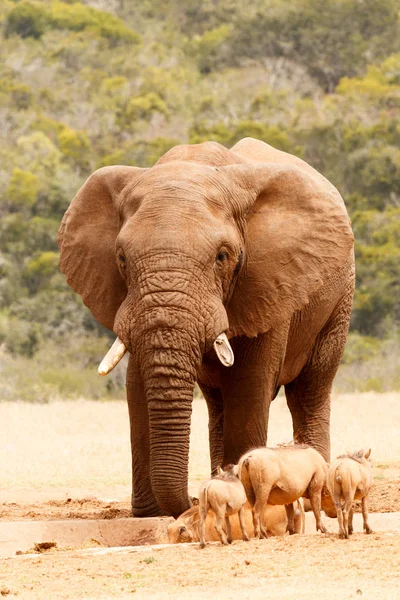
<point>199,245</point>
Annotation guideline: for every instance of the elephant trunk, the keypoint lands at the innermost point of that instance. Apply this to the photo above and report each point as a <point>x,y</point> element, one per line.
<point>169,372</point>
<point>168,331</point>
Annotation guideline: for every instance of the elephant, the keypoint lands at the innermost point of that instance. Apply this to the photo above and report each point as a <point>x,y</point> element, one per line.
<point>232,268</point>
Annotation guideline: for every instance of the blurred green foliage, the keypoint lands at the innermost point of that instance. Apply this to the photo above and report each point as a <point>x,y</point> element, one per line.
<point>87,84</point>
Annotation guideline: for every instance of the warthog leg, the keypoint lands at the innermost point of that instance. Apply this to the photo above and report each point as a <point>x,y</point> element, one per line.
<point>339,512</point>
<point>347,511</point>
<point>242,525</point>
<point>219,524</point>
<point>290,518</point>
<point>228,529</point>
<point>315,491</point>
<point>260,528</point>
<point>350,527</point>
<point>364,508</point>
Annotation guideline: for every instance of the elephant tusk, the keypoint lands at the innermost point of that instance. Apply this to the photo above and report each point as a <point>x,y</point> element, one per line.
<point>223,350</point>
<point>112,358</point>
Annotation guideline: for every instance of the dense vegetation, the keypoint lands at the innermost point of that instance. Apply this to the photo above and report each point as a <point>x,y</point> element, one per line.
<point>82,87</point>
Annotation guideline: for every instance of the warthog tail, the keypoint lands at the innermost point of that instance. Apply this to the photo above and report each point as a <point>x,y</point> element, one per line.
<point>245,478</point>
<point>203,502</point>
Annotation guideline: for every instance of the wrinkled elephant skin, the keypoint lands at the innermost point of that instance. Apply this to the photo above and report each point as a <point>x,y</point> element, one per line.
<point>249,242</point>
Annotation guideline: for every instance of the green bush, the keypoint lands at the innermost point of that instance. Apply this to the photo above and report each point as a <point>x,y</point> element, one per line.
<point>19,94</point>
<point>78,17</point>
<point>38,271</point>
<point>211,49</point>
<point>23,189</point>
<point>143,107</point>
<point>74,145</point>
<point>27,20</point>
<point>19,337</point>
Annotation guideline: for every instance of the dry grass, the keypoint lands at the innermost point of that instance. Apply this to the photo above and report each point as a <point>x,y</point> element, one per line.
<point>67,446</point>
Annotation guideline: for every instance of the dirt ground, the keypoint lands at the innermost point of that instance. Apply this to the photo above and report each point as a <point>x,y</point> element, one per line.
<point>71,460</point>
<point>384,497</point>
<point>283,568</point>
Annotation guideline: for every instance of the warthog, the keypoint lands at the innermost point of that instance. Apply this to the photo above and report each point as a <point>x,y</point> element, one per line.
<point>186,528</point>
<point>281,476</point>
<point>349,478</point>
<point>225,496</point>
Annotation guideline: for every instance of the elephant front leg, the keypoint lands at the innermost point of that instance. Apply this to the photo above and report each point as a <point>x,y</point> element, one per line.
<point>247,390</point>
<point>144,503</point>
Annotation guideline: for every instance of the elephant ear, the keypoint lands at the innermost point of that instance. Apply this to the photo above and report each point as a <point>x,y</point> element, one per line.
<point>297,236</point>
<point>87,242</point>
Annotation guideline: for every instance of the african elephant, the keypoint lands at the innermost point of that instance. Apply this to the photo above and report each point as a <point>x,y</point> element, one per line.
<point>251,243</point>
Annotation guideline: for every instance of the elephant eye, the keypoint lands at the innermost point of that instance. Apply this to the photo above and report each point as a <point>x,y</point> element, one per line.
<point>222,256</point>
<point>122,259</point>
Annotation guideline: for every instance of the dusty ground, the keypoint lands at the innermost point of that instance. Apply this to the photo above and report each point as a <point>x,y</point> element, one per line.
<point>71,460</point>
<point>384,497</point>
<point>284,568</point>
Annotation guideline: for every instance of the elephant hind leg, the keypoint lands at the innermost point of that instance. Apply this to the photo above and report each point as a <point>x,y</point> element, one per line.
<point>215,407</point>
<point>308,396</point>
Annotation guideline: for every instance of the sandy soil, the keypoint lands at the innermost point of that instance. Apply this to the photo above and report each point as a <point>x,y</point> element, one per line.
<point>384,497</point>
<point>284,568</point>
<point>71,460</point>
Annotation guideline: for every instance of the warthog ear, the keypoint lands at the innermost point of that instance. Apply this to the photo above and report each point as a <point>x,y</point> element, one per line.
<point>367,453</point>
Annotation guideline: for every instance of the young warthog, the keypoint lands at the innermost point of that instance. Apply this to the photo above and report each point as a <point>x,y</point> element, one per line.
<point>349,478</point>
<point>281,476</point>
<point>225,496</point>
<point>186,528</point>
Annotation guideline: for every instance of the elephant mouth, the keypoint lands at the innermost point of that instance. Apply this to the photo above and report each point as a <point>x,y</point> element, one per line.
<point>221,346</point>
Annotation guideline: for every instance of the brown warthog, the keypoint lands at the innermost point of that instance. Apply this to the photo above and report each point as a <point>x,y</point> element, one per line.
<point>349,478</point>
<point>281,476</point>
<point>186,528</point>
<point>225,496</point>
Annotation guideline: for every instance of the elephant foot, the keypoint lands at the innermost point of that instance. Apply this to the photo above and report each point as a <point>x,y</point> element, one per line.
<point>152,510</point>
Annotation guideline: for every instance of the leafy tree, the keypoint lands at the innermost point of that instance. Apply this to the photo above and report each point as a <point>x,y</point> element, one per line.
<point>84,87</point>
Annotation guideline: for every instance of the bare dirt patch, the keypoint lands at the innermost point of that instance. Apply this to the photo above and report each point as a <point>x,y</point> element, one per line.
<point>71,460</point>
<point>296,566</point>
<point>384,497</point>
<point>85,508</point>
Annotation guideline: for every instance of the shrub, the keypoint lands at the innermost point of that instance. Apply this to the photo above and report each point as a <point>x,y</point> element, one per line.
<point>74,145</point>
<point>38,271</point>
<point>19,94</point>
<point>22,189</point>
<point>19,337</point>
<point>143,107</point>
<point>26,20</point>
<point>78,17</point>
